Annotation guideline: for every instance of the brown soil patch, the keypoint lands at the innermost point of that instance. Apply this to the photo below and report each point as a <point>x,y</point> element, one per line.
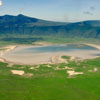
<point>73,73</point>
<point>57,59</point>
<point>94,70</point>
<point>2,60</point>
<point>10,65</point>
<point>28,75</point>
<point>17,72</point>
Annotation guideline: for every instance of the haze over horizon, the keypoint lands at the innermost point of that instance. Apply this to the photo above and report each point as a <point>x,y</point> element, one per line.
<point>53,10</point>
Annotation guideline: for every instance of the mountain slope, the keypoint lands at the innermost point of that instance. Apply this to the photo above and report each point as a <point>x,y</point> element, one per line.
<point>23,25</point>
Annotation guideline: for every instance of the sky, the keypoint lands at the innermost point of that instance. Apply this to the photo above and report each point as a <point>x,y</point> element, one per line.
<point>53,10</point>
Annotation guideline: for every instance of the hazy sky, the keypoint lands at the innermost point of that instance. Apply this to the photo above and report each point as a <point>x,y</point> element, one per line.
<point>56,10</point>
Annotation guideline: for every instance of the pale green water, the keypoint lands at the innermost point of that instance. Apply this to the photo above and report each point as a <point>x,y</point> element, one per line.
<point>41,54</point>
<point>56,48</point>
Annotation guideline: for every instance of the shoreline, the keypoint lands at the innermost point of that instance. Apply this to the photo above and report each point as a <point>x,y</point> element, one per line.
<point>13,47</point>
<point>93,45</point>
<point>5,50</point>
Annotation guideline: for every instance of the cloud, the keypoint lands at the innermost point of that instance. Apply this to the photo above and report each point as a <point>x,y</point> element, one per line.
<point>0,3</point>
<point>92,8</point>
<point>88,13</point>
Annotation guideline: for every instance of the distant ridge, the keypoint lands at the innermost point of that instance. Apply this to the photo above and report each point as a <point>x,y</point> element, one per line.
<point>24,25</point>
<point>22,19</point>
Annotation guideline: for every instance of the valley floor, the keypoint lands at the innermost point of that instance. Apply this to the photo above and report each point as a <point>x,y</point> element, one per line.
<point>71,80</point>
<point>74,80</point>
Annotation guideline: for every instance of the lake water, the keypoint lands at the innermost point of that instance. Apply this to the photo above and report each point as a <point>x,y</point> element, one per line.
<point>42,54</point>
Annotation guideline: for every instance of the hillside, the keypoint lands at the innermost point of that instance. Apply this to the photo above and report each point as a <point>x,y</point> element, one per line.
<point>27,26</point>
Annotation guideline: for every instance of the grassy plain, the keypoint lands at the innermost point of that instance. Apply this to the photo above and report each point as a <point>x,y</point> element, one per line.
<point>51,39</point>
<point>50,83</point>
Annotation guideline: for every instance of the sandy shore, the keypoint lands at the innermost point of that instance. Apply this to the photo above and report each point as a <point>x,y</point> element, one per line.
<point>6,49</point>
<point>93,45</point>
<point>44,57</point>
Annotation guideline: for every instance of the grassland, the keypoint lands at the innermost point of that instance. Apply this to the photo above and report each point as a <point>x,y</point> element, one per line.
<point>57,39</point>
<point>51,82</point>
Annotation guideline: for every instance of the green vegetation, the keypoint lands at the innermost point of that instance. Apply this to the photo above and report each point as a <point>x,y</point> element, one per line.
<point>27,26</point>
<point>50,39</point>
<point>4,43</point>
<point>21,40</point>
<point>26,30</point>
<point>50,83</point>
